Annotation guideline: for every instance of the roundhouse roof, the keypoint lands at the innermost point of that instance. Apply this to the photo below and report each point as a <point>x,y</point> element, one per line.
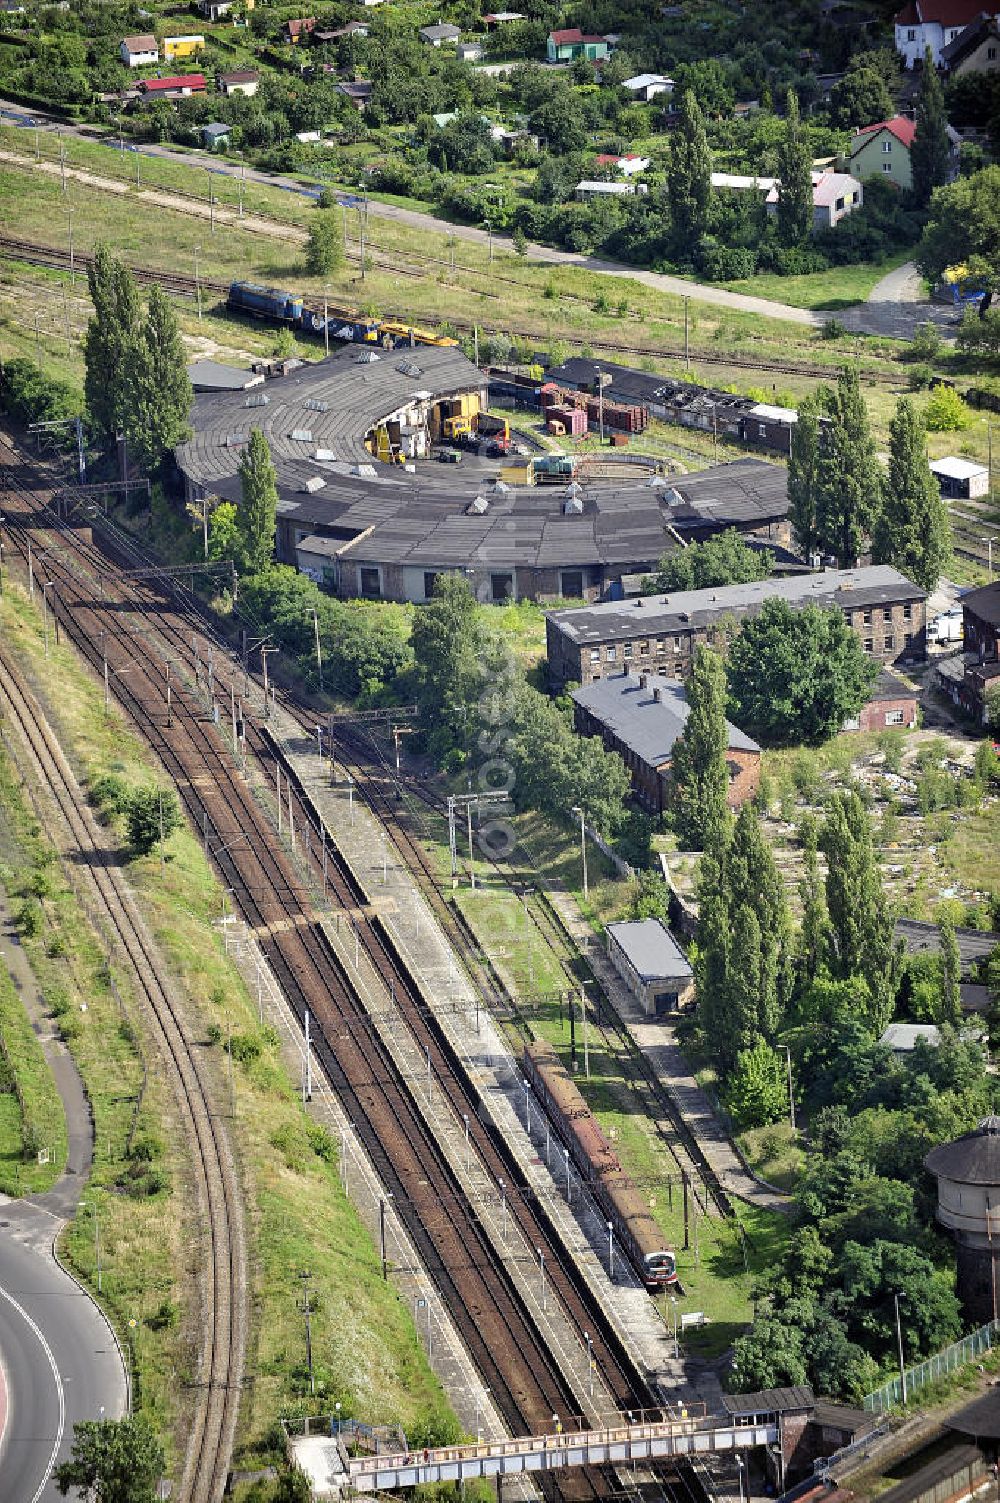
<point>972,1159</point>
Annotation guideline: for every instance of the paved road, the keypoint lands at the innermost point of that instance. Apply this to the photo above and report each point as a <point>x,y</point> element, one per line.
<point>57,1352</point>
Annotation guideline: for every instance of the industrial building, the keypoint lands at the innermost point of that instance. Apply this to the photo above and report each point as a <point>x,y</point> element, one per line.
<point>652,965</point>
<point>968,1176</point>
<point>641,716</point>
<point>659,633</point>
<point>364,512</point>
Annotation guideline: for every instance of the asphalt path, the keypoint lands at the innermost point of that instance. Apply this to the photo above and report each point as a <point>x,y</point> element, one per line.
<point>59,1360</point>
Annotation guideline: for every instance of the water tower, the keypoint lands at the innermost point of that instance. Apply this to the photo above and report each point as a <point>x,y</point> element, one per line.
<point>968,1176</point>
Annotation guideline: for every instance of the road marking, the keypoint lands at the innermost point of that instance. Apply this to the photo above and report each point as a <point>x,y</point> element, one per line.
<point>59,1390</point>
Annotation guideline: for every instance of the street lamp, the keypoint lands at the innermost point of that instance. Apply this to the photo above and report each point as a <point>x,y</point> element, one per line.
<point>677,1348</point>
<point>541,1270</point>
<point>740,1467</point>
<point>197,279</point>
<point>583,846</point>
<point>791,1097</point>
<point>92,1208</point>
<point>899,1343</point>
<point>489,231</point>
<point>611,1249</point>
<point>989,552</point>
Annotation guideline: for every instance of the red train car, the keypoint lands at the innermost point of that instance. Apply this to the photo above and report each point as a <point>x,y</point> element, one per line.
<point>638,1234</point>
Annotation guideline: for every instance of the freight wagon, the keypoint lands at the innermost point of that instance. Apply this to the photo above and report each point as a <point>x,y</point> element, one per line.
<point>279,306</point>
<point>638,1234</point>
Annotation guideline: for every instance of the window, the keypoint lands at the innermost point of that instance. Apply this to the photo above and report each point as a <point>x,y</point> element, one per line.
<point>886,148</point>
<point>571,584</point>
<point>991,54</point>
<point>908,639</point>
<point>853,723</point>
<point>840,203</point>
<point>894,717</point>
<point>886,166</point>
<point>611,654</point>
<point>644,649</point>
<point>430,580</point>
<point>867,617</point>
<point>761,430</point>
<point>677,644</point>
<point>887,613</point>
<point>911,35</point>
<point>595,654</point>
<point>869,645</point>
<point>371,584</point>
<point>907,612</point>
<point>627,650</point>
<point>890,642</point>
<point>502,586</point>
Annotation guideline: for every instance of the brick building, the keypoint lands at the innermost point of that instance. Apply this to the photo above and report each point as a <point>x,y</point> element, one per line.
<point>661,632</point>
<point>891,703</point>
<point>640,718</point>
<point>972,676</point>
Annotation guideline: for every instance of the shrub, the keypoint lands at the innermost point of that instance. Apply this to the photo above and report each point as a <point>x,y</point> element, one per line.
<point>245,1047</point>
<point>832,329</point>
<point>920,378</point>
<point>926,342</point>
<point>946,412</point>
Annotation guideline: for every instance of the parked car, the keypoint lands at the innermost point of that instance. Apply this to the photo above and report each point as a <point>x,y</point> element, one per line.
<point>449,456</point>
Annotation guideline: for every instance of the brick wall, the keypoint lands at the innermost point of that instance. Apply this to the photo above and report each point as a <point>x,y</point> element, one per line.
<point>981,636</point>
<point>881,713</point>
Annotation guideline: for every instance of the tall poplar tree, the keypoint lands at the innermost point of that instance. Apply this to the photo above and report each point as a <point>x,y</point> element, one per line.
<point>815,922</point>
<point>109,342</point>
<point>689,177</point>
<point>698,772</point>
<point>803,478</point>
<point>930,154</point>
<point>861,924</point>
<point>951,976</point>
<point>259,503</point>
<point>912,530</point>
<point>850,479</point>
<point>795,196</point>
<point>158,392</point>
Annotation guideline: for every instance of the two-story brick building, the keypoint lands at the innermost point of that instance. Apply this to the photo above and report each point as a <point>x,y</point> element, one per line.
<point>659,633</point>
<point>641,717</point>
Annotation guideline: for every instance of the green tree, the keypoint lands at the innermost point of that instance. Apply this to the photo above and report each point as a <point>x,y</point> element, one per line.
<point>757,1092</point>
<point>109,343</point>
<point>446,645</point>
<point>519,241</point>
<point>151,816</point>
<point>224,536</point>
<point>930,154</point>
<point>861,97</point>
<point>963,230</point>
<point>912,530</point>
<point>815,922</point>
<point>721,560</point>
<point>796,675</point>
<point>116,1461</point>
<point>158,393</point>
<point>752,881</point>
<point>861,923</point>
<point>258,503</point>
<point>795,199</point>
<point>698,773</point>
<point>850,478</point>
<point>325,243</point>
<point>946,412</point>
<point>803,478</point>
<point>689,177</point>
<point>951,976</point>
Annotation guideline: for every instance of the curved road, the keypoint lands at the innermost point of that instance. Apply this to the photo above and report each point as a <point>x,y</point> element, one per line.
<point>59,1360</point>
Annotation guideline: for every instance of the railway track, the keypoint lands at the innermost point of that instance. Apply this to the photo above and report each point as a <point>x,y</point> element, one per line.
<point>224,1271</point>
<point>277,903</point>
<point>183,285</point>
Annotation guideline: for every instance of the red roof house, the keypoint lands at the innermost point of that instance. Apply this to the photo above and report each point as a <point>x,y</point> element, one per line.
<point>179,86</point>
<point>934,24</point>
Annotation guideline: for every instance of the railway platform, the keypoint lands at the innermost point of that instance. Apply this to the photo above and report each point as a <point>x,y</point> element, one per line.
<point>504,1102</point>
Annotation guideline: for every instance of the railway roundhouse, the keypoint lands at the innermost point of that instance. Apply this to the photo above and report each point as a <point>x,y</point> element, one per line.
<point>364,513</point>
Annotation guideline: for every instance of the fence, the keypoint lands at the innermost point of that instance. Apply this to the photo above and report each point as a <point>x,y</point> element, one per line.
<point>890,1395</point>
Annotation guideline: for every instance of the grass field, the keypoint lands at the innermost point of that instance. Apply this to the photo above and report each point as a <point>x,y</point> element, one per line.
<point>368,1356</point>
<point>31,1116</point>
<point>837,287</point>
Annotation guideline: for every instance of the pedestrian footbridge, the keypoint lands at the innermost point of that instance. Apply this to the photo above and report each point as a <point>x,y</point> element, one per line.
<point>333,1471</point>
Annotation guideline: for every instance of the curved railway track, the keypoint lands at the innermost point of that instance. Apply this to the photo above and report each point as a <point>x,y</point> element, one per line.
<point>224,1272</point>
<point>278,906</point>
<point>37,254</point>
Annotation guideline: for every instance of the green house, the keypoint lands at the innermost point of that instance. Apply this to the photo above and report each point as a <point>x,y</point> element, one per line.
<point>566,46</point>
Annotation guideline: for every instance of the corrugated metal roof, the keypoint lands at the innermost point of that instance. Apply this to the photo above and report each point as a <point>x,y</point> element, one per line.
<point>769,1401</point>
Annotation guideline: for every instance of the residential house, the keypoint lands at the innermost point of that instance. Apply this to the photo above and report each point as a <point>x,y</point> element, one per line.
<point>216,10</point>
<point>659,633</point>
<point>641,716</point>
<point>469,52</point>
<point>883,150</point>
<point>139,52</point>
<point>652,965</point>
<point>176,49</point>
<point>567,45</point>
<point>890,703</point>
<point>439,34</point>
<point>835,194</point>
<point>501,18</point>
<point>352,29</point>
<point>902,1038</point>
<point>974,50</point>
<point>215,134</point>
<point>242,81</point>
<point>646,86</point>
<point>588,189</point>
<point>934,24</point>
<point>180,86</point>
<point>628,166</point>
<point>294,31</point>
<point>358,91</point>
<point>961,479</point>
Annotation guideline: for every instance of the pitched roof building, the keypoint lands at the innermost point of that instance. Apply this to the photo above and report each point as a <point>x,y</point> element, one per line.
<point>974,50</point>
<point>934,24</point>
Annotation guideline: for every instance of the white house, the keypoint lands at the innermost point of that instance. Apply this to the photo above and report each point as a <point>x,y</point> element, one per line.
<point>139,52</point>
<point>935,23</point>
<point>835,194</point>
<point>629,166</point>
<point>645,86</point>
<point>587,189</point>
